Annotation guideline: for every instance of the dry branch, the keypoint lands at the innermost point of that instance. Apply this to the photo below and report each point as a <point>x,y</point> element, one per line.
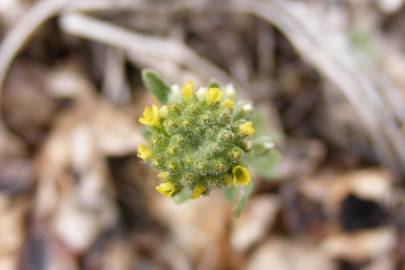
<point>139,44</point>
<point>19,35</point>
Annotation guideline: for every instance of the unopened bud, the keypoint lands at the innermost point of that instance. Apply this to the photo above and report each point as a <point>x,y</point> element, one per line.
<point>229,91</point>
<point>247,145</point>
<point>247,108</point>
<point>163,112</point>
<point>175,93</point>
<point>201,93</point>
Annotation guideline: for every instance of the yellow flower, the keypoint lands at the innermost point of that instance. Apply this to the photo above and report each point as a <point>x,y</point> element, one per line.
<point>228,103</point>
<point>241,175</point>
<point>144,152</point>
<point>150,117</point>
<point>166,188</point>
<point>187,90</point>
<point>247,129</point>
<point>213,95</point>
<point>197,191</point>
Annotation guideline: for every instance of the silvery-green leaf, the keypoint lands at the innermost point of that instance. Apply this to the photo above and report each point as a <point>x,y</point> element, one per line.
<point>155,85</point>
<point>229,193</point>
<point>263,165</point>
<point>246,192</point>
<point>145,132</point>
<point>182,196</point>
<point>263,155</point>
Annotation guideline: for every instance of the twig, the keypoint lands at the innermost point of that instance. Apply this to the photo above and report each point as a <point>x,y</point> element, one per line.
<point>103,5</point>
<point>115,86</point>
<point>136,43</point>
<point>135,5</point>
<point>19,35</point>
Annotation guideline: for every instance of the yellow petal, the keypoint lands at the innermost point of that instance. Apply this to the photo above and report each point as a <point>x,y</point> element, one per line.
<point>155,116</point>
<point>197,191</point>
<point>213,95</point>
<point>187,90</point>
<point>166,188</point>
<point>146,117</point>
<point>150,116</point>
<point>247,129</point>
<point>144,152</point>
<point>228,103</point>
<point>241,175</point>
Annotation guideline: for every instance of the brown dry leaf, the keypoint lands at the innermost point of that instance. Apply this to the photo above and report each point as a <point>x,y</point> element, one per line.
<point>287,254</point>
<point>381,263</point>
<point>332,187</point>
<point>74,185</point>
<point>16,177</point>
<point>118,256</point>
<point>90,207</point>
<point>360,246</point>
<point>25,89</point>
<point>255,221</point>
<point>109,252</point>
<point>43,251</point>
<point>10,145</point>
<point>12,217</point>
<point>67,81</point>
<point>198,228</point>
<point>8,262</point>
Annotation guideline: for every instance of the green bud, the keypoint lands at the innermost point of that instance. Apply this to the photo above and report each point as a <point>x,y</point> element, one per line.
<point>173,150</point>
<point>201,167</point>
<point>186,124</point>
<point>192,110</point>
<point>226,136</point>
<point>171,126</point>
<point>172,166</point>
<point>206,118</point>
<point>224,117</point>
<point>157,163</point>
<point>174,109</point>
<point>235,154</point>
<point>220,166</point>
<point>188,178</point>
<point>243,110</point>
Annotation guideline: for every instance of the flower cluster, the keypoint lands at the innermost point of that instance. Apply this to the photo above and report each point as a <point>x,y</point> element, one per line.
<point>198,140</point>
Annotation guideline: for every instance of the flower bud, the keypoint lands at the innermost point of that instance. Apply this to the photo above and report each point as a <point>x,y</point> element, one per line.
<point>235,154</point>
<point>188,178</point>
<point>198,140</point>
<point>229,91</point>
<point>175,94</point>
<point>163,112</point>
<point>201,93</point>
<point>247,145</point>
<point>171,126</point>
<point>226,136</point>
<point>243,110</point>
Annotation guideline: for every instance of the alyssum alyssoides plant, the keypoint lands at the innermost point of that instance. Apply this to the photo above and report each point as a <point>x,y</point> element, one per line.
<point>196,140</point>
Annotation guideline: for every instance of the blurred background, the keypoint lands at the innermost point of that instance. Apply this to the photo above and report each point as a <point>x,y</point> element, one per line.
<point>328,75</point>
